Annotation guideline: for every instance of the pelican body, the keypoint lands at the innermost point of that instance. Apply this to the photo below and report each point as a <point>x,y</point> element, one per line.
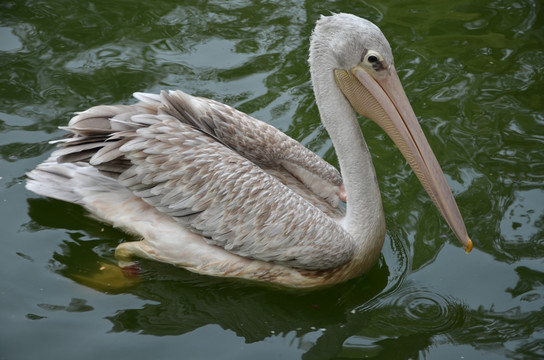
<point>215,191</point>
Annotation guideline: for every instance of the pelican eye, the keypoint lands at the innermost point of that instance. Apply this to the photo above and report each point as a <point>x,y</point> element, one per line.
<point>374,60</point>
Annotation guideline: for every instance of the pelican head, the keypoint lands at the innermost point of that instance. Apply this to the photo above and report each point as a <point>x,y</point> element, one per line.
<point>362,65</point>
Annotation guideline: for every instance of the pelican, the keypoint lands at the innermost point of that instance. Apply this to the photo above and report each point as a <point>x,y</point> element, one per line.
<point>211,189</point>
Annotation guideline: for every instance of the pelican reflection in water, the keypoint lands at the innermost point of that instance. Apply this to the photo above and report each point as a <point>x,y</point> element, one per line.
<point>215,191</point>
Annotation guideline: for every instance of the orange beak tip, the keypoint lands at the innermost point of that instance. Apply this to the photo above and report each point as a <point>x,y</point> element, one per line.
<point>468,248</point>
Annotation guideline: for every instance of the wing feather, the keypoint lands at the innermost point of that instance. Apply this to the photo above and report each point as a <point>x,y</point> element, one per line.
<point>252,139</point>
<point>219,173</point>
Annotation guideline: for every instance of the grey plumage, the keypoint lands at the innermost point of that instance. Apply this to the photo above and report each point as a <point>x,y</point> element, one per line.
<point>217,172</point>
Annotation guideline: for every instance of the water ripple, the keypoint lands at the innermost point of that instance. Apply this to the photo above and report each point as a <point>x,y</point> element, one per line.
<point>411,309</point>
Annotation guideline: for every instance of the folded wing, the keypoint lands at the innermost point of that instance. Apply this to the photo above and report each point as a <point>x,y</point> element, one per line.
<point>219,173</point>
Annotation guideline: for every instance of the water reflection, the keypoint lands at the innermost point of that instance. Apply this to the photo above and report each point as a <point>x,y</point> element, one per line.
<point>528,285</point>
<point>512,333</point>
<point>179,302</point>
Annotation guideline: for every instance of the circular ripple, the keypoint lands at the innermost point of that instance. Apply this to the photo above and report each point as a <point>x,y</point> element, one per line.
<point>432,310</point>
<point>421,310</point>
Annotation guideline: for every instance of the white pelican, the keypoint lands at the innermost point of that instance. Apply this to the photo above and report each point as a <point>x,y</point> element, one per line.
<point>215,191</point>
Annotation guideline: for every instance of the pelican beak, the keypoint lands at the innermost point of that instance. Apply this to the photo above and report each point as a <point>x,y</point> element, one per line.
<point>381,98</point>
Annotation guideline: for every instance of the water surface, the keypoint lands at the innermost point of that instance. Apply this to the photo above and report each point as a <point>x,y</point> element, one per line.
<point>473,72</point>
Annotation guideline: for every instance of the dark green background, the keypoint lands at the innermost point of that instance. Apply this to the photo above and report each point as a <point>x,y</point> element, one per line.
<point>473,71</point>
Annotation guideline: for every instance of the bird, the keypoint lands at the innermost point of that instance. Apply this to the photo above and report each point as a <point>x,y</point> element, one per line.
<point>213,190</point>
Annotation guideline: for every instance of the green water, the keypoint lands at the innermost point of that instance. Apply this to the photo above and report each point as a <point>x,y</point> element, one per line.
<point>473,71</point>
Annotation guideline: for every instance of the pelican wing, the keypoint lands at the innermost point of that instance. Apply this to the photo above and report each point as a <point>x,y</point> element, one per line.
<point>253,139</point>
<point>180,155</point>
